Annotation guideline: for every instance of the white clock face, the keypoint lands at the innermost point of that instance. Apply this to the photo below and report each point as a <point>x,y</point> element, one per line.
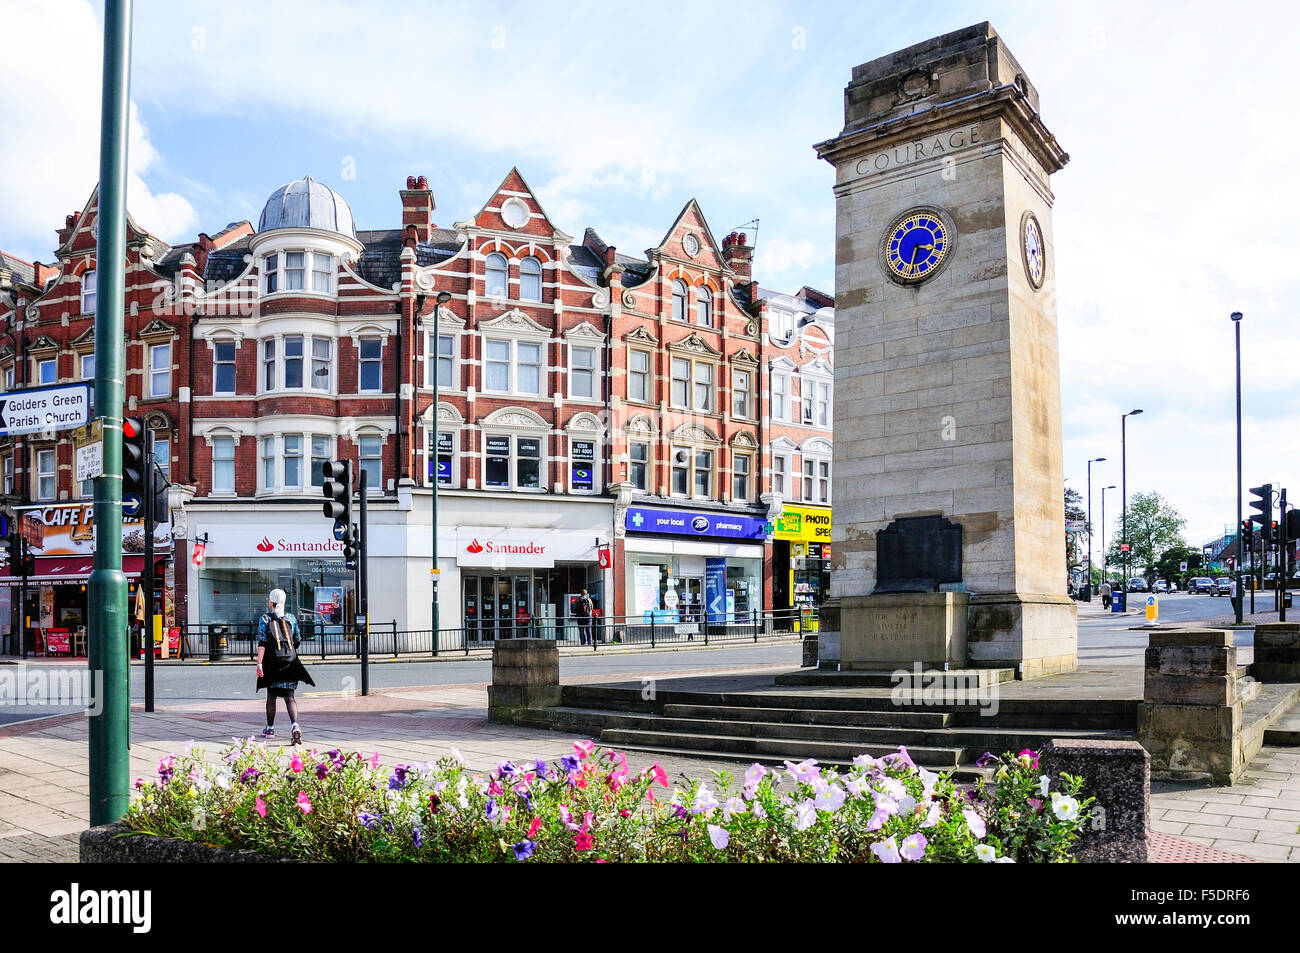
<point>1035,255</point>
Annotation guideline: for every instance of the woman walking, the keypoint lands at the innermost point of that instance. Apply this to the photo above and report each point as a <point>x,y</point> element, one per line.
<point>278,668</point>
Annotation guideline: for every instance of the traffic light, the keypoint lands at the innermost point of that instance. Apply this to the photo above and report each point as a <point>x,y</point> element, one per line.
<point>337,490</point>
<point>135,463</point>
<point>1247,536</point>
<point>1193,560</point>
<point>1293,525</point>
<point>15,555</point>
<point>351,547</point>
<point>1263,515</point>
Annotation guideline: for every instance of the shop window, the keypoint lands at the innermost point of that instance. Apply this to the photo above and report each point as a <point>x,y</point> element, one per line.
<point>442,362</point>
<point>371,373</point>
<point>741,390</point>
<point>741,466</point>
<point>679,300</point>
<point>223,367</point>
<point>512,463</point>
<point>89,287</point>
<point>638,376</point>
<point>582,372</point>
<point>223,464</point>
<point>530,280</point>
<point>371,458</point>
<point>639,466</point>
<point>582,466</point>
<point>46,478</point>
<point>496,275</point>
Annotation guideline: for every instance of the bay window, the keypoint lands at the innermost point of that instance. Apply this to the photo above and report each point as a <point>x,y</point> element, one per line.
<point>292,454</point>
<point>293,363</point>
<point>322,350</point>
<point>268,364</point>
<point>321,451</point>
<point>268,463</point>
<point>271,273</point>
<point>295,269</point>
<point>298,271</point>
<point>322,270</point>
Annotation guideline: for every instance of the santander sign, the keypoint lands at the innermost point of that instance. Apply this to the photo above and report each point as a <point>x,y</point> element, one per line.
<point>505,547</point>
<point>282,545</point>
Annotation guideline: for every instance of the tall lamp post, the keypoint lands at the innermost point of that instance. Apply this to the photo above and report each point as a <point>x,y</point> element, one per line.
<point>442,298</point>
<point>1236,609</point>
<point>1105,563</point>
<point>1123,479</point>
<point>1087,589</point>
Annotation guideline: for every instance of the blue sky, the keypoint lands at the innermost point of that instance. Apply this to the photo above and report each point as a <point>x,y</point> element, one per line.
<point>1177,207</point>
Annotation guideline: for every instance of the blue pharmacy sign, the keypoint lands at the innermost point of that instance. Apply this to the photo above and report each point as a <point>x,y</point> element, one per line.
<point>643,519</point>
<point>715,588</point>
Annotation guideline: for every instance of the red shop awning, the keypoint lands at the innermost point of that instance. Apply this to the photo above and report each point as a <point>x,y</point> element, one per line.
<point>74,568</point>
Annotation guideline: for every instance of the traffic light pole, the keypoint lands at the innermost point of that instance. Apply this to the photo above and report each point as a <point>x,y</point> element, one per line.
<point>106,589</point>
<point>363,593</point>
<point>1279,586</point>
<point>146,574</point>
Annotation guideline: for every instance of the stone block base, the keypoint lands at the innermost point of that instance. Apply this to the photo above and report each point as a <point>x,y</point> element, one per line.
<point>1277,652</point>
<point>902,629</point>
<point>1038,634</point>
<point>525,674</point>
<point>1118,775</point>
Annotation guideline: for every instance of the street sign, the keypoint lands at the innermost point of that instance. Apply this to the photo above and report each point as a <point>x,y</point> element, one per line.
<point>1182,567</point>
<point>1153,608</point>
<point>1076,526</point>
<point>131,505</point>
<point>89,442</point>
<point>38,409</point>
<point>350,564</point>
<point>340,531</point>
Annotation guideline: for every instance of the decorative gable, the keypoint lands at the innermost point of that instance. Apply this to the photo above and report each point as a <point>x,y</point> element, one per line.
<point>694,344</point>
<point>585,331</point>
<point>516,322</point>
<point>640,335</point>
<point>43,343</point>
<point>156,328</point>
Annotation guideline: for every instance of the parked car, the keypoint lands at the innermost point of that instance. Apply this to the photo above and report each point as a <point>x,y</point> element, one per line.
<point>1222,586</point>
<point>1161,586</point>
<point>1201,585</point>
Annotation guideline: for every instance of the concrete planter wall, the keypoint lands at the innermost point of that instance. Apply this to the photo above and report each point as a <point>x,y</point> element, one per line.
<point>117,844</point>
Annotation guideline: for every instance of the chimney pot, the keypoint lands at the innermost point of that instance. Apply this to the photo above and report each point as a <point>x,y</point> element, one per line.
<point>410,181</point>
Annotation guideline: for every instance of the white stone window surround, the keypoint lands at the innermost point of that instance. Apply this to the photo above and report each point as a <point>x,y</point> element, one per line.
<point>591,339</point>
<point>515,423</point>
<point>212,433</point>
<point>513,327</point>
<point>448,326</point>
<point>815,463</point>
<point>587,428</point>
<point>449,421</point>
<point>695,441</point>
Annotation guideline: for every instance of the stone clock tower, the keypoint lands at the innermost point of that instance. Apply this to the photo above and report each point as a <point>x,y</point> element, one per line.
<point>949,526</point>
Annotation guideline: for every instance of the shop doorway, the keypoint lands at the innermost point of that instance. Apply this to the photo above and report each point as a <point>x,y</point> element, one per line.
<point>524,603</point>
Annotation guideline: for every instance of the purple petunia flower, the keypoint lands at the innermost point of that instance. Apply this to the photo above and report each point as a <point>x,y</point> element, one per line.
<point>523,850</point>
<point>491,811</point>
<point>568,763</point>
<point>985,759</point>
<point>322,770</point>
<point>416,837</point>
<point>250,775</point>
<point>507,769</point>
<point>399,778</point>
<point>540,768</point>
<point>367,820</point>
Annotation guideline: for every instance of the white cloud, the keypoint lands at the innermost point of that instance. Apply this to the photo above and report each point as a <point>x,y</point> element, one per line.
<point>52,116</point>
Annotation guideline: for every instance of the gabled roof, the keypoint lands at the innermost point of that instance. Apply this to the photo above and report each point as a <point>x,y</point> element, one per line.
<point>691,204</point>
<point>21,270</point>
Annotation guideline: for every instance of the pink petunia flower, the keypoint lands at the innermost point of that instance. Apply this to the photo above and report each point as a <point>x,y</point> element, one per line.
<point>260,807</point>
<point>374,760</point>
<point>304,803</point>
<point>584,749</point>
<point>534,827</point>
<point>584,841</point>
<point>295,763</point>
<point>887,852</point>
<point>719,836</point>
<point>660,775</point>
<point>913,847</point>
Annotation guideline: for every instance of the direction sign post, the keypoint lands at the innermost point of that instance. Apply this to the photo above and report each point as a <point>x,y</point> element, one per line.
<point>44,409</point>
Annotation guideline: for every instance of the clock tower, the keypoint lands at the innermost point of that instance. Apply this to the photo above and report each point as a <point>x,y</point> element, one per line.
<point>947,396</point>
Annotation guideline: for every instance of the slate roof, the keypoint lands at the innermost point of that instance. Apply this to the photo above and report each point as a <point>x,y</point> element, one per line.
<point>24,272</point>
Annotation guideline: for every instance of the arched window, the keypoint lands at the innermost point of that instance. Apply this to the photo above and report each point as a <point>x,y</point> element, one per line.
<point>530,280</point>
<point>679,300</point>
<point>704,307</point>
<point>496,275</point>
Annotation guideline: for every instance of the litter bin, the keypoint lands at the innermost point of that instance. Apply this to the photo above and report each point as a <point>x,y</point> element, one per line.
<point>1116,601</point>
<point>217,643</point>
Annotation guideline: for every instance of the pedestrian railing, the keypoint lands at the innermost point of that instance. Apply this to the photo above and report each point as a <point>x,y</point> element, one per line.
<point>239,639</point>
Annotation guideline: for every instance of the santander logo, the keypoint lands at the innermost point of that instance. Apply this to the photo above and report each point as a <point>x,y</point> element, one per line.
<point>265,546</point>
<point>474,547</point>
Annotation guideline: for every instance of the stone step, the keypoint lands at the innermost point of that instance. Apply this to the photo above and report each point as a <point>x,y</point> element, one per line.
<point>958,680</point>
<point>814,716</point>
<point>794,750</point>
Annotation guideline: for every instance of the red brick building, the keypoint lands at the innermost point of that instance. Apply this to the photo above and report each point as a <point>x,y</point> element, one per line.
<point>601,418</point>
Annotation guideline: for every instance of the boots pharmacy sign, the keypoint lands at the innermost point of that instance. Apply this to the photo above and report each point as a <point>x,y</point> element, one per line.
<point>42,409</point>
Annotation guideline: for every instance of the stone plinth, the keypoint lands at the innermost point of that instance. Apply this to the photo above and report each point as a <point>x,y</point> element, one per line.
<point>1036,634</point>
<point>901,629</point>
<point>525,674</point>
<point>1277,652</point>
<point>1118,775</point>
<point>1190,720</point>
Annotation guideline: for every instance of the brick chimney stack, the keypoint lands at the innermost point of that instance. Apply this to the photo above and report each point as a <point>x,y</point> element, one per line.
<point>417,209</point>
<point>738,255</point>
<point>69,225</point>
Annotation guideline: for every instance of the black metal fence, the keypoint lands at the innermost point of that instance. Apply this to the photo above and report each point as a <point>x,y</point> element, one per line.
<point>239,640</point>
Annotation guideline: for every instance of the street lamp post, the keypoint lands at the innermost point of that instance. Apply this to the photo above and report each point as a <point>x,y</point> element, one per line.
<point>1236,609</point>
<point>1087,590</point>
<point>442,298</point>
<point>1123,479</point>
<point>1105,562</point>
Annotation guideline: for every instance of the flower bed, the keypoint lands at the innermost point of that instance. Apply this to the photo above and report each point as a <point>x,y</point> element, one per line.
<point>589,806</point>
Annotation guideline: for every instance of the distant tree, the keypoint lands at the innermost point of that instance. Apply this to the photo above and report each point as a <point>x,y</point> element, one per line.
<point>1154,528</point>
<point>1073,511</point>
<point>1168,566</point>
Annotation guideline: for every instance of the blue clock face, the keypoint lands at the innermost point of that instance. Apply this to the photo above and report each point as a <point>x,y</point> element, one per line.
<point>917,246</point>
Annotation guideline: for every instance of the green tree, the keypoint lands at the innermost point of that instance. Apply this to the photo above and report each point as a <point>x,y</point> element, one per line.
<point>1073,541</point>
<point>1154,527</point>
<point>1168,565</point>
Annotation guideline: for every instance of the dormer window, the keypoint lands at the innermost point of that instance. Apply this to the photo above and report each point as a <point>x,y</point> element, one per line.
<point>290,271</point>
<point>88,292</point>
<point>496,275</point>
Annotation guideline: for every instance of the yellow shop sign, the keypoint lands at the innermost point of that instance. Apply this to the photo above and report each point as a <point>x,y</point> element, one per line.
<point>804,524</point>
